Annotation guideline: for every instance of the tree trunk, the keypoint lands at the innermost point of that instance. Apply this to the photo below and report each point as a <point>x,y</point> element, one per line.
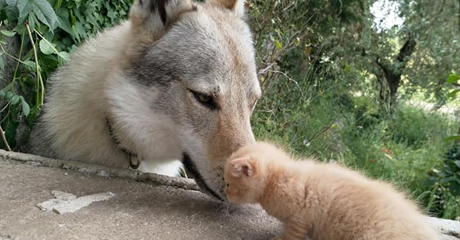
<point>393,71</point>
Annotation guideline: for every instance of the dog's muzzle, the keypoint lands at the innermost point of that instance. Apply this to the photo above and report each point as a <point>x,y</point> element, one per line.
<point>191,168</point>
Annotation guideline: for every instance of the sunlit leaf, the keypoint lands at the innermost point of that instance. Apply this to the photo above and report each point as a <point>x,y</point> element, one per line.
<point>453,93</point>
<point>452,78</point>
<point>278,44</point>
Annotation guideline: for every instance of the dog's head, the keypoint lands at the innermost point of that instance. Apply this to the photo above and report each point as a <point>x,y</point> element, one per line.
<point>195,66</point>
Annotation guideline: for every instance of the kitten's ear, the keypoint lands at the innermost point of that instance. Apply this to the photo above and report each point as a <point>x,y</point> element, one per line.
<point>242,166</point>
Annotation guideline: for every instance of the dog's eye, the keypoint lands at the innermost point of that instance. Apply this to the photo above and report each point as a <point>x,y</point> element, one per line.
<point>204,99</point>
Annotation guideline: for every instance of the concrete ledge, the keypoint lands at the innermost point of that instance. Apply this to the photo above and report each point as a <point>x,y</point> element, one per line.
<point>102,171</point>
<point>144,206</point>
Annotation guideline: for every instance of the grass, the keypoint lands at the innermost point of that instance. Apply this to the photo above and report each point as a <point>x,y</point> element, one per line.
<point>406,148</point>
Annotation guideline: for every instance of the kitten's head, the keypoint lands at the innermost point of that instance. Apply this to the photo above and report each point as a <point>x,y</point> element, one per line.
<point>246,171</point>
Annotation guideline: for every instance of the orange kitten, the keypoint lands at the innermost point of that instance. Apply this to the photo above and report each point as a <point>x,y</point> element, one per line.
<point>321,201</point>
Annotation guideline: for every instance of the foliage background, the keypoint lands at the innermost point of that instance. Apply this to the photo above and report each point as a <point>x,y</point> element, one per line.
<point>339,84</point>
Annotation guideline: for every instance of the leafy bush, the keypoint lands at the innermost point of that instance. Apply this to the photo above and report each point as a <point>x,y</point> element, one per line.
<point>444,185</point>
<point>405,148</point>
<point>48,31</point>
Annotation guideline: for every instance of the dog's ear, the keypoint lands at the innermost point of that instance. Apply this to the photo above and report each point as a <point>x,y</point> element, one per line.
<point>242,167</point>
<point>237,6</point>
<point>152,17</point>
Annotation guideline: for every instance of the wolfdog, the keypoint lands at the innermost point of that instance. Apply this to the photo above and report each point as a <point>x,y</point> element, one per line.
<point>175,84</point>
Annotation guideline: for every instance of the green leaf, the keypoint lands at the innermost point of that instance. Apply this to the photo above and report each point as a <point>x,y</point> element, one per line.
<point>11,2</point>
<point>453,78</point>
<point>2,94</point>
<point>9,95</point>
<point>7,33</point>
<point>58,4</point>
<point>15,100</point>
<point>112,15</point>
<point>11,10</point>
<point>33,115</point>
<point>32,20</point>
<point>10,128</point>
<point>46,47</point>
<point>41,9</point>
<point>63,17</point>
<point>453,93</point>
<point>457,163</point>
<point>2,39</point>
<point>64,56</point>
<point>347,68</point>
<point>25,107</point>
<point>278,44</point>
<point>2,63</point>
<point>24,7</point>
<point>45,13</point>
<point>452,138</point>
<point>30,65</point>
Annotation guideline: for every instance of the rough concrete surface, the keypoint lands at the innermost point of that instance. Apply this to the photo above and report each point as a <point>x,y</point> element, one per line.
<point>162,208</point>
<point>137,211</point>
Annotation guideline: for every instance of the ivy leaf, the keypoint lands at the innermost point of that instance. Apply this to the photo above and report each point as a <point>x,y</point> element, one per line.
<point>112,15</point>
<point>453,78</point>
<point>7,33</point>
<point>46,47</point>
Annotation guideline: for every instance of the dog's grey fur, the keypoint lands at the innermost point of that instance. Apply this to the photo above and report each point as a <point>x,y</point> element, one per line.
<point>144,77</point>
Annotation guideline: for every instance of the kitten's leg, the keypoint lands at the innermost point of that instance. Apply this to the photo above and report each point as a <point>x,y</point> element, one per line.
<point>294,231</point>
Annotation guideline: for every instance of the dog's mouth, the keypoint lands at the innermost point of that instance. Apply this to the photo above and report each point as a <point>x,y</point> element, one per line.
<point>191,168</point>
